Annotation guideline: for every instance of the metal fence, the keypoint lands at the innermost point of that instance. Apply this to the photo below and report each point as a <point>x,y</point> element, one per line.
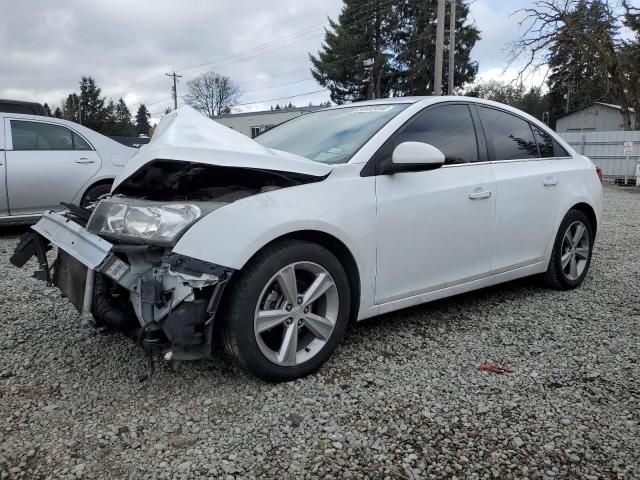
<point>606,149</point>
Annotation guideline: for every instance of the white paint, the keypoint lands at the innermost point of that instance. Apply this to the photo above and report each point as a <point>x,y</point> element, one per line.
<point>415,236</point>
<point>417,153</point>
<point>187,135</point>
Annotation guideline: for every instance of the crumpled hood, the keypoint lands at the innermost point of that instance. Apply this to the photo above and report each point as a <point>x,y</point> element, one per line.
<point>187,135</point>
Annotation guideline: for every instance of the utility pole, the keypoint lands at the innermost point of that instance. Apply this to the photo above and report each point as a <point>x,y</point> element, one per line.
<point>452,47</point>
<point>437,74</point>
<point>175,88</point>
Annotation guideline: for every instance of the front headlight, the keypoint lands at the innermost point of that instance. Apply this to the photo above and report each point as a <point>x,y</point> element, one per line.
<point>141,220</point>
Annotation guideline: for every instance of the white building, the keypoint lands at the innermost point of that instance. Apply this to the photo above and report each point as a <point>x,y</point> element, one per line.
<point>253,123</point>
<point>599,117</point>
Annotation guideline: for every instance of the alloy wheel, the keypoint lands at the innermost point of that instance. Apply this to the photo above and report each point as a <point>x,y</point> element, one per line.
<point>296,313</point>
<point>575,250</point>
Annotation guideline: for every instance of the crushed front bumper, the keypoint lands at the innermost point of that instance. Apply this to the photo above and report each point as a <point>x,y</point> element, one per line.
<point>170,301</point>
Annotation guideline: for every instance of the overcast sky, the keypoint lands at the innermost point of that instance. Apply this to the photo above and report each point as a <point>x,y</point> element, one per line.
<point>46,46</point>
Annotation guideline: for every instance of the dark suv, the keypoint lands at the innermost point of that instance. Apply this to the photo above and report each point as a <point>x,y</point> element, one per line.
<point>18,106</point>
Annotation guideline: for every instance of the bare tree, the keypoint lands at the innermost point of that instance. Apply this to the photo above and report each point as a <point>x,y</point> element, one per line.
<point>548,23</point>
<point>212,94</point>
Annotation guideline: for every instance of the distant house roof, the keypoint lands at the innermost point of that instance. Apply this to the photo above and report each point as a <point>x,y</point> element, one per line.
<point>267,112</point>
<point>609,105</point>
<point>135,142</point>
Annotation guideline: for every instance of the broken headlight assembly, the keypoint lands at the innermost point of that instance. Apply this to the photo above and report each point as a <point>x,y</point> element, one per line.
<point>137,221</point>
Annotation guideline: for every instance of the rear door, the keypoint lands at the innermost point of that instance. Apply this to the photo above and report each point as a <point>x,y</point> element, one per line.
<point>46,164</point>
<point>528,179</point>
<point>4,204</point>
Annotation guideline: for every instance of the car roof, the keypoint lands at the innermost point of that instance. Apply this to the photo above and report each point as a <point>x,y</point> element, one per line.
<point>428,100</point>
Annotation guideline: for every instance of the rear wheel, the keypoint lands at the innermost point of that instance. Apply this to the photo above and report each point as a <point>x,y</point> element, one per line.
<point>572,250</point>
<point>287,311</point>
<point>95,194</point>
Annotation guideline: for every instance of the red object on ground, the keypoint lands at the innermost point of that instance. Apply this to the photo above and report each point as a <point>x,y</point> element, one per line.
<point>489,367</point>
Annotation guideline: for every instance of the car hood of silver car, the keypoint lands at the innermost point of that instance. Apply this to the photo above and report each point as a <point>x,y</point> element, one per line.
<point>186,135</point>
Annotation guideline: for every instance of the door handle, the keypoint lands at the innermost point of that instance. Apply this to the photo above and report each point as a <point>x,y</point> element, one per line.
<point>479,194</point>
<point>85,161</point>
<point>550,182</point>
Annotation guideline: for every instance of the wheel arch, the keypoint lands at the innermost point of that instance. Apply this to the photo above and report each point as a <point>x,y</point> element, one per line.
<point>337,248</point>
<point>94,183</point>
<point>589,212</point>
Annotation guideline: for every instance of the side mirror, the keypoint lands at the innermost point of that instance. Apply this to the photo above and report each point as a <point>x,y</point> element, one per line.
<point>415,156</point>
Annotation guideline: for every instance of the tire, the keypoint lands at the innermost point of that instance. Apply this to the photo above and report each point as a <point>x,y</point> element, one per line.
<point>255,330</point>
<point>563,277</point>
<point>95,193</point>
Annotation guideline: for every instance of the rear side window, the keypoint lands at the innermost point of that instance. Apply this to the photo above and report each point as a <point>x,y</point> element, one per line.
<point>449,128</point>
<point>45,136</point>
<point>544,141</point>
<point>559,150</point>
<point>508,136</point>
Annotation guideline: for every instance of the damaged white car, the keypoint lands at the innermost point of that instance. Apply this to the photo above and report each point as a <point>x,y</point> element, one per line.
<point>271,245</point>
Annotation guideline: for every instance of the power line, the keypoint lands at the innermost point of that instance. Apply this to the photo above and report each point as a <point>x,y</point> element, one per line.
<point>282,98</point>
<point>272,99</point>
<point>269,45</point>
<point>417,39</point>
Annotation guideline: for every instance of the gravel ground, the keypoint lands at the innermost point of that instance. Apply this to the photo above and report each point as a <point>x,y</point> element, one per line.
<point>402,398</point>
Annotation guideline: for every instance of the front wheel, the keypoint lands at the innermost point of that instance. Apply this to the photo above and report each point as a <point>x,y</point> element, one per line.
<point>287,311</point>
<point>572,250</point>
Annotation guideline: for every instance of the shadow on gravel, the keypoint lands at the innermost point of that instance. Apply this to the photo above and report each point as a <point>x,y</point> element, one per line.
<point>447,311</point>
<point>13,230</point>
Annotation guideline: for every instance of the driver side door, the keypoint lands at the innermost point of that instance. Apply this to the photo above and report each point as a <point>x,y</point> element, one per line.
<point>434,228</point>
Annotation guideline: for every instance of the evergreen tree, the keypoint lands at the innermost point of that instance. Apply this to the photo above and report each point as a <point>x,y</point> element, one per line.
<point>415,47</point>
<point>109,125</point>
<point>577,70</point>
<point>142,120</point>
<point>58,113</point>
<point>387,48</point>
<point>47,110</point>
<point>124,125</point>
<point>94,115</point>
<point>355,62</point>
<point>71,109</point>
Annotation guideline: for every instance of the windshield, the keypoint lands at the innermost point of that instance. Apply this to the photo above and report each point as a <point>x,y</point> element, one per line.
<point>330,136</point>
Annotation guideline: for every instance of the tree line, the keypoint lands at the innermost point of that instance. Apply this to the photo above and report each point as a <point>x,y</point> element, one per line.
<point>89,108</point>
<point>381,48</point>
<point>592,51</point>
<point>385,48</point>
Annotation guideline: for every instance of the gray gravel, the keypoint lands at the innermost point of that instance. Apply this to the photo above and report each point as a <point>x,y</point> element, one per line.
<point>402,398</point>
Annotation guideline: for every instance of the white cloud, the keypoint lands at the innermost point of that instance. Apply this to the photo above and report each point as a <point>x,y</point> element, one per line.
<point>129,46</point>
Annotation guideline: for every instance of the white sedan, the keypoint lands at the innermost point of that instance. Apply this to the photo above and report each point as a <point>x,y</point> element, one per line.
<point>45,161</point>
<point>273,245</point>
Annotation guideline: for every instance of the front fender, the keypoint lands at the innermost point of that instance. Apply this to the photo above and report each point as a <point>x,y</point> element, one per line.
<point>342,207</point>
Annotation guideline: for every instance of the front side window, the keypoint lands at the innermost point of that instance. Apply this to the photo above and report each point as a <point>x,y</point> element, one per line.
<point>449,128</point>
<point>510,136</point>
<point>45,136</point>
<point>330,136</point>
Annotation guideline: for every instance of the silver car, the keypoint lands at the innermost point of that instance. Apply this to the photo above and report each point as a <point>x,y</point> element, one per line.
<point>45,161</point>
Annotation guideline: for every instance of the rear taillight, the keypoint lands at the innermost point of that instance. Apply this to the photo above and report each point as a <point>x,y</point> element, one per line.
<point>599,173</point>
